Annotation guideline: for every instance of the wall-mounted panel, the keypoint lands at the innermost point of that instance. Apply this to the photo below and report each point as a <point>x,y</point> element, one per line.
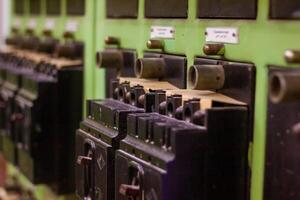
<point>285,9</point>
<point>35,7</point>
<point>53,7</point>
<point>19,7</point>
<point>227,9</point>
<point>166,8</point>
<point>121,8</point>
<point>75,7</point>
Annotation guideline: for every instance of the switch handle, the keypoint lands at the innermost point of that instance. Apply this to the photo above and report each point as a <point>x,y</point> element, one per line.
<point>129,190</point>
<point>82,160</point>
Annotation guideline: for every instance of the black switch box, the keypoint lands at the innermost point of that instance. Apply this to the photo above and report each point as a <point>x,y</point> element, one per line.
<point>96,141</point>
<point>121,8</point>
<point>166,8</point>
<point>164,158</point>
<point>282,176</point>
<point>224,9</point>
<point>51,107</point>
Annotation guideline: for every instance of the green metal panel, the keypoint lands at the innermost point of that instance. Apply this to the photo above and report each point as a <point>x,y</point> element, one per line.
<point>262,41</point>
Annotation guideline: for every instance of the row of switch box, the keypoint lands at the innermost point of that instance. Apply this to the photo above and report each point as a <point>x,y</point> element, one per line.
<point>41,109</point>
<point>185,161</point>
<point>136,146</point>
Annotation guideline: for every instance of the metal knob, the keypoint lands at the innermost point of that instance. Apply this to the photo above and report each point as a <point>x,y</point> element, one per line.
<point>150,68</point>
<point>112,40</point>
<point>111,58</point>
<point>214,49</point>
<point>292,56</point>
<point>206,77</point>
<point>155,44</point>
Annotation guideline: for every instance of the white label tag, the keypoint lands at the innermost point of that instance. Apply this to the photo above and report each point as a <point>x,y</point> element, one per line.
<point>162,32</point>
<point>72,26</point>
<point>222,35</point>
<point>17,23</point>
<point>50,24</point>
<point>31,24</point>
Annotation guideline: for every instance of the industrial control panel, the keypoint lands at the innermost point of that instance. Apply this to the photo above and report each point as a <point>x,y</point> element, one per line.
<point>152,99</point>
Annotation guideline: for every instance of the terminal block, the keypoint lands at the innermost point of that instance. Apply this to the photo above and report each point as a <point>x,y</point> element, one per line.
<point>96,141</point>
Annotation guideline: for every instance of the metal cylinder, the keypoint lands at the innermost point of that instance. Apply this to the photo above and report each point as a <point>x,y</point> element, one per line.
<point>206,77</point>
<point>155,44</point>
<point>111,58</point>
<point>109,40</point>
<point>150,68</point>
<point>284,87</point>
<point>292,56</point>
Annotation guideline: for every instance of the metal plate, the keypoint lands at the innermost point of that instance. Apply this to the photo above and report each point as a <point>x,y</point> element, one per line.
<point>232,9</point>
<point>19,7</point>
<point>285,10</point>
<point>282,175</point>
<point>121,8</point>
<point>75,7</point>
<point>35,7</point>
<point>53,7</point>
<point>166,8</point>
